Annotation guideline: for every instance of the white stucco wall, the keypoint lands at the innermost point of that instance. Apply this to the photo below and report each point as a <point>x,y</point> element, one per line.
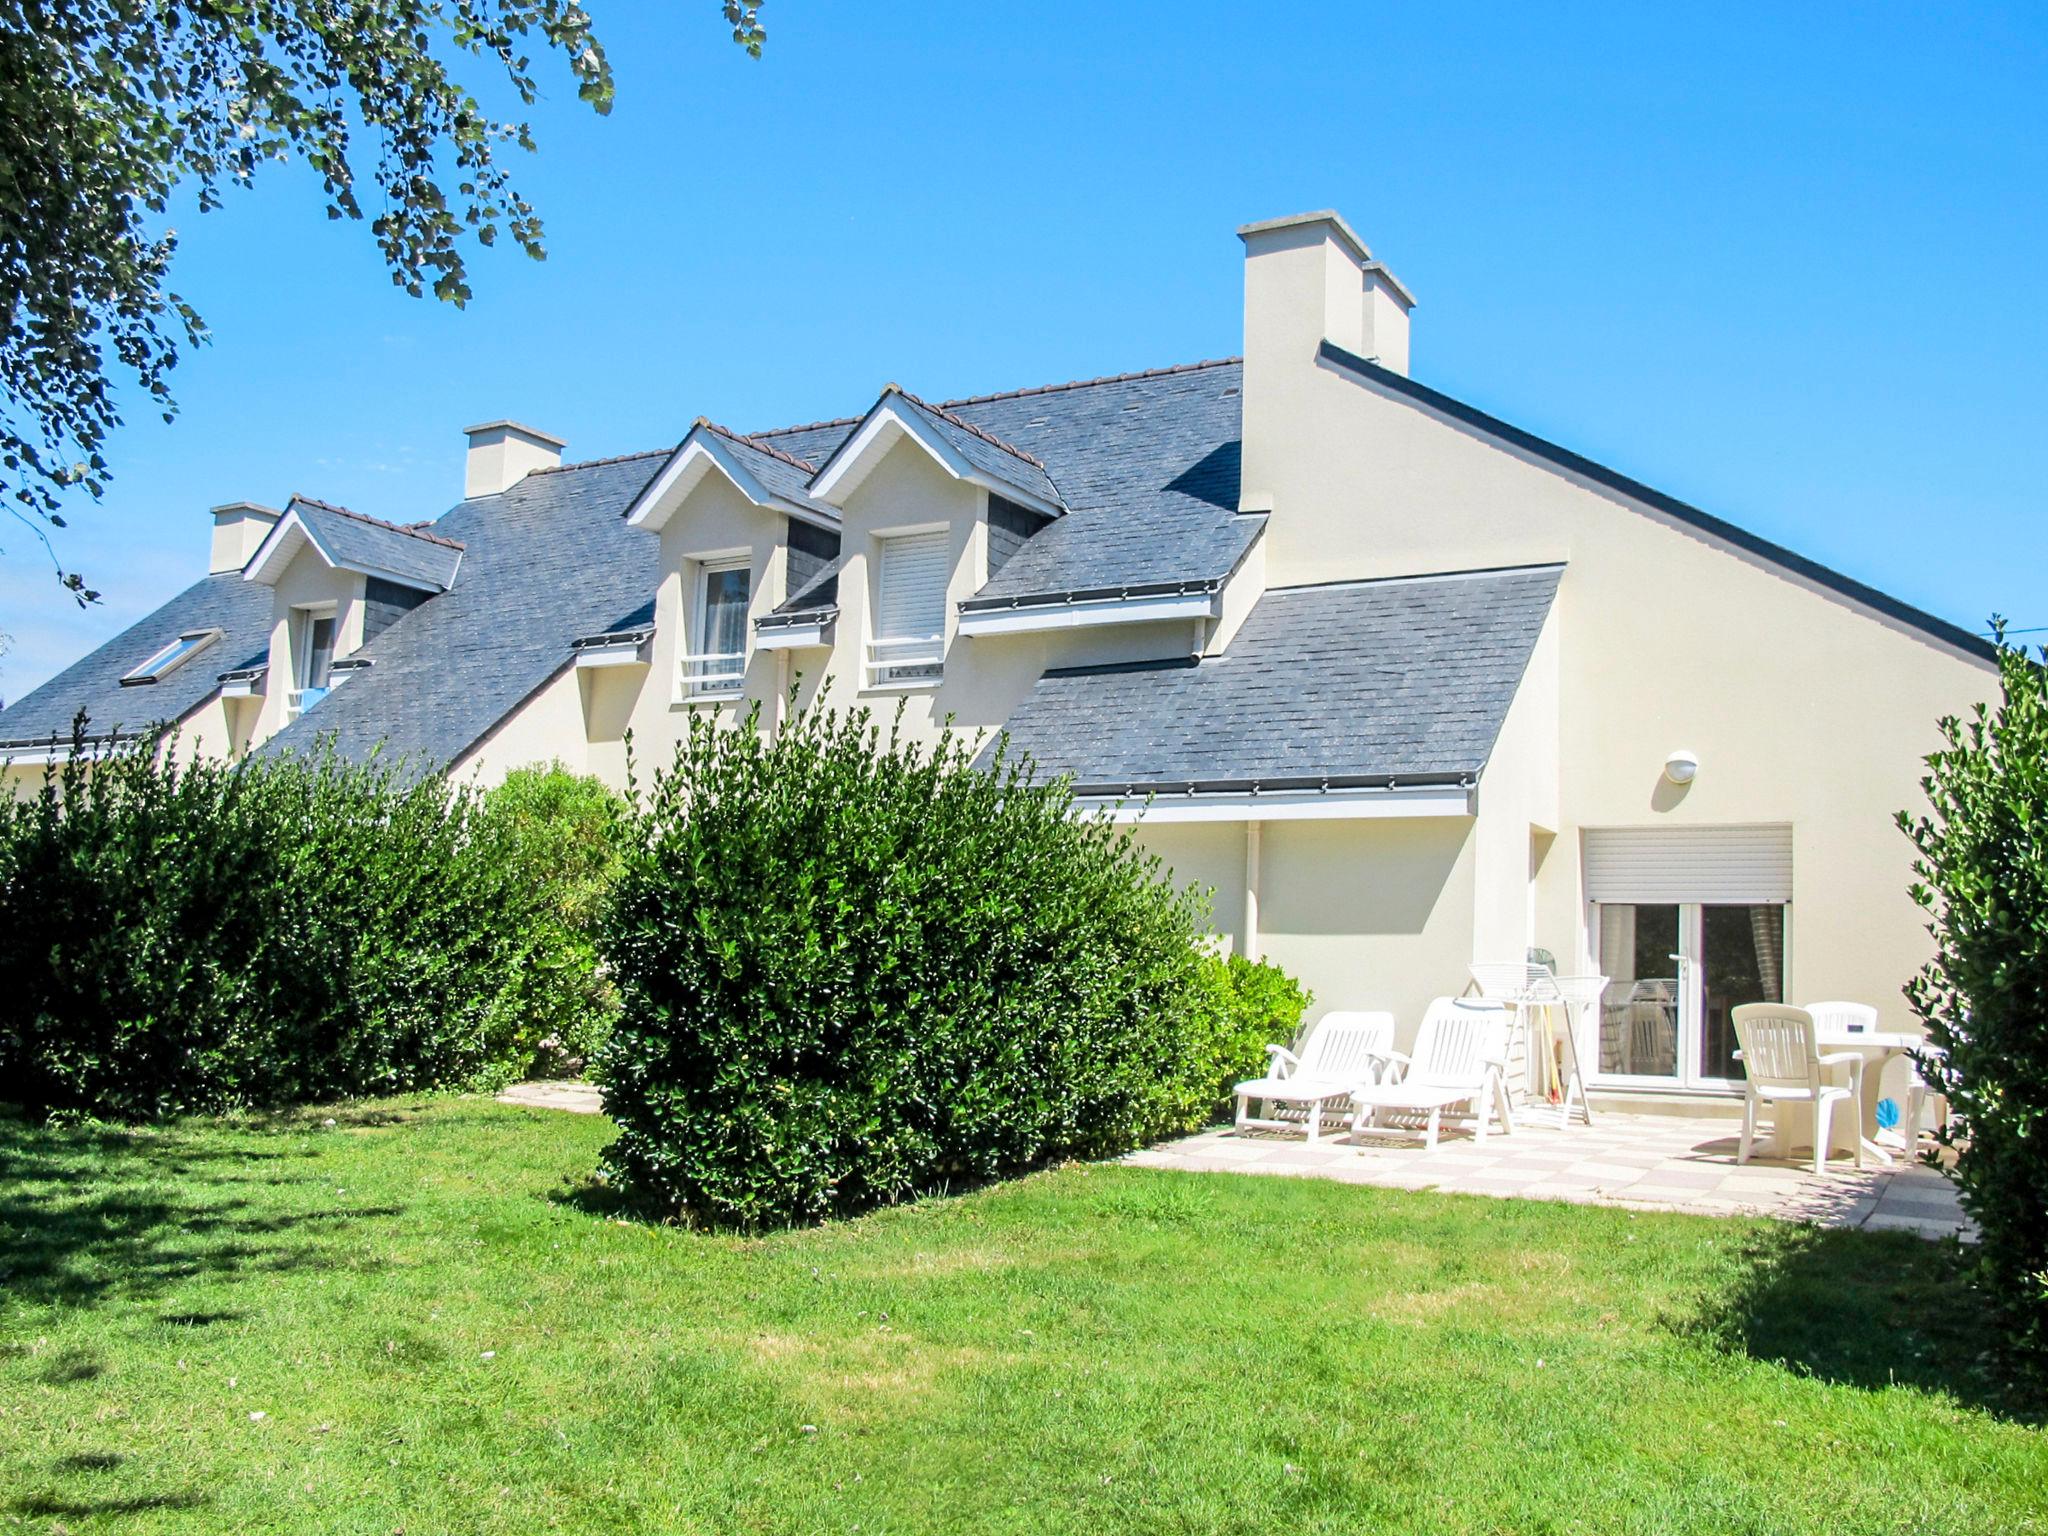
<point>1804,708</point>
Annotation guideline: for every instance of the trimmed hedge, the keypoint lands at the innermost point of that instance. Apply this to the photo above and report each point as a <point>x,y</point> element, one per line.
<point>201,937</point>
<point>853,970</point>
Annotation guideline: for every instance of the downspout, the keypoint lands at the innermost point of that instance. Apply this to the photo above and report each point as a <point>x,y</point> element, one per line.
<point>1250,948</point>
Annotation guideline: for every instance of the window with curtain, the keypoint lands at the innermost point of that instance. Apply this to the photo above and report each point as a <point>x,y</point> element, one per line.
<point>718,663</point>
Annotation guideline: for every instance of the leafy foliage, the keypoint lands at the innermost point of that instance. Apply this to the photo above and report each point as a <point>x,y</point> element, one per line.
<point>204,936</point>
<point>1983,878</point>
<point>563,829</point>
<point>108,107</point>
<point>854,969</point>
<point>1255,1004</point>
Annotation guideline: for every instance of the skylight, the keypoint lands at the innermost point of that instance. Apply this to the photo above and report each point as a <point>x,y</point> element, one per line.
<point>171,657</point>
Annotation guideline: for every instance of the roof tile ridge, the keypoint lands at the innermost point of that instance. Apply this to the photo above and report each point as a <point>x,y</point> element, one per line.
<point>410,530</point>
<point>617,458</point>
<point>967,426</point>
<point>809,426</point>
<point>756,444</point>
<point>1108,378</point>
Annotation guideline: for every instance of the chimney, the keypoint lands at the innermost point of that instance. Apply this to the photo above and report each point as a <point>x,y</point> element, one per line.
<point>238,527</point>
<point>502,453</point>
<point>1307,279</point>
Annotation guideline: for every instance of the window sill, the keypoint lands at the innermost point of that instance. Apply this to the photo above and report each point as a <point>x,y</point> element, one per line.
<point>908,685</point>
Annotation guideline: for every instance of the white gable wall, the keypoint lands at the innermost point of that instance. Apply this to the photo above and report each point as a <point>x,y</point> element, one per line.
<point>1802,707</point>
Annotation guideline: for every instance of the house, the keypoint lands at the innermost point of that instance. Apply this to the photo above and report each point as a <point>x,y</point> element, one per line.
<point>1407,685</point>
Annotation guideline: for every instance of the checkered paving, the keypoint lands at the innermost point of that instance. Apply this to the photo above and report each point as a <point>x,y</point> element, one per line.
<point>1658,1162</point>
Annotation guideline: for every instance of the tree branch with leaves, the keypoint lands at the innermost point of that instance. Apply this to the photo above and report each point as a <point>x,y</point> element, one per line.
<point>109,107</point>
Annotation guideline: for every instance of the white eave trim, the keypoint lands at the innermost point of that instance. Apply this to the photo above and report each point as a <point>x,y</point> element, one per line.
<point>792,637</point>
<point>243,683</point>
<point>700,453</point>
<point>617,653</point>
<point>1088,612</point>
<point>1369,804</point>
<point>871,442</point>
<point>42,755</point>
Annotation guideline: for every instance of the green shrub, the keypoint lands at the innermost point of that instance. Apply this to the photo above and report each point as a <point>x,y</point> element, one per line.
<point>563,828</point>
<point>1983,878</point>
<point>1255,1004</point>
<point>853,970</point>
<point>199,937</point>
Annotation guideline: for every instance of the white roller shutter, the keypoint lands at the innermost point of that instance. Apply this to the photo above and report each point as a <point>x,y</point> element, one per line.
<point>1734,866</point>
<point>912,601</point>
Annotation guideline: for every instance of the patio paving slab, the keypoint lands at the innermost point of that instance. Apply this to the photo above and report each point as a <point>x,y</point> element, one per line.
<point>1643,1162</point>
<point>576,1098</point>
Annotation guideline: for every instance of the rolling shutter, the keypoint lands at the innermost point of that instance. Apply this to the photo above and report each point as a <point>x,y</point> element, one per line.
<point>1735,866</point>
<point>912,602</point>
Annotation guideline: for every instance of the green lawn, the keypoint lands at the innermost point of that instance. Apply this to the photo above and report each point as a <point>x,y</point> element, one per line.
<point>421,1319</point>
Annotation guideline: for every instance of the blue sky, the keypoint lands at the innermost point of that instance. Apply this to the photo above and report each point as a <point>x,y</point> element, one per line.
<point>1782,262</point>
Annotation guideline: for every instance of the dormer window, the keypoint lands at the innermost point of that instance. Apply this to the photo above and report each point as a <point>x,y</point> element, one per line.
<point>909,644</point>
<point>171,657</point>
<point>312,658</point>
<point>718,667</point>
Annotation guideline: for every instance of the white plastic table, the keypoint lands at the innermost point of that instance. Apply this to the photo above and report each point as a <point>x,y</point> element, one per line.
<point>1877,1048</point>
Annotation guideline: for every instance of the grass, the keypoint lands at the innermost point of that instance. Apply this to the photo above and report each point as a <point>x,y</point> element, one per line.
<point>420,1318</point>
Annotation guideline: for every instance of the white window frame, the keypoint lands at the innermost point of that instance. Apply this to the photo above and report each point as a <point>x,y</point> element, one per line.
<point>173,656</point>
<point>905,663</point>
<point>724,673</point>
<point>304,617</point>
<point>1689,1001</point>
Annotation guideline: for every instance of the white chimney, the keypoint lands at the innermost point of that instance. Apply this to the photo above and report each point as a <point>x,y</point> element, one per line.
<point>502,453</point>
<point>238,527</point>
<point>1307,279</point>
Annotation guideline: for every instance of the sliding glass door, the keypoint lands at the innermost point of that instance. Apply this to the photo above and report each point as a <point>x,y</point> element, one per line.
<point>1676,973</point>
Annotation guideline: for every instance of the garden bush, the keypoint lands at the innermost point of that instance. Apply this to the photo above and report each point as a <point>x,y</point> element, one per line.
<point>1983,878</point>
<point>853,970</point>
<point>1255,1004</point>
<point>563,829</point>
<point>202,936</point>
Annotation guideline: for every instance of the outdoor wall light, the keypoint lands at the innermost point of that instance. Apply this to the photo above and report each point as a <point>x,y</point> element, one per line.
<point>1681,767</point>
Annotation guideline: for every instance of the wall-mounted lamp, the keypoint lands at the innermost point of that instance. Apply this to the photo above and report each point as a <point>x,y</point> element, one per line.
<point>1681,767</point>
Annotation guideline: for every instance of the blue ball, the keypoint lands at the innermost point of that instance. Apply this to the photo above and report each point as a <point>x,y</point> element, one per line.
<point>1887,1114</point>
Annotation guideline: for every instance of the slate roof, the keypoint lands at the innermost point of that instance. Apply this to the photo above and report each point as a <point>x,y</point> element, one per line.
<point>547,562</point>
<point>241,609</point>
<point>1001,461</point>
<point>1146,465</point>
<point>356,542</point>
<point>816,598</point>
<point>1406,679</point>
<point>780,472</point>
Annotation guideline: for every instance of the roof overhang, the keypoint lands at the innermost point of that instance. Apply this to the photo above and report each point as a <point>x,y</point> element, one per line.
<point>795,632</point>
<point>1076,610</point>
<point>891,422</point>
<point>1282,800</point>
<point>243,682</point>
<point>701,453</point>
<point>48,750</point>
<point>617,648</point>
<point>293,533</point>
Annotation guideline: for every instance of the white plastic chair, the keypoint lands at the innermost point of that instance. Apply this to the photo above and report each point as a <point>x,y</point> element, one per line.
<point>1343,1052</point>
<point>1782,1065</point>
<point>1861,1019</point>
<point>1459,1058</point>
<point>1918,1092</point>
<point>1849,1018</point>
